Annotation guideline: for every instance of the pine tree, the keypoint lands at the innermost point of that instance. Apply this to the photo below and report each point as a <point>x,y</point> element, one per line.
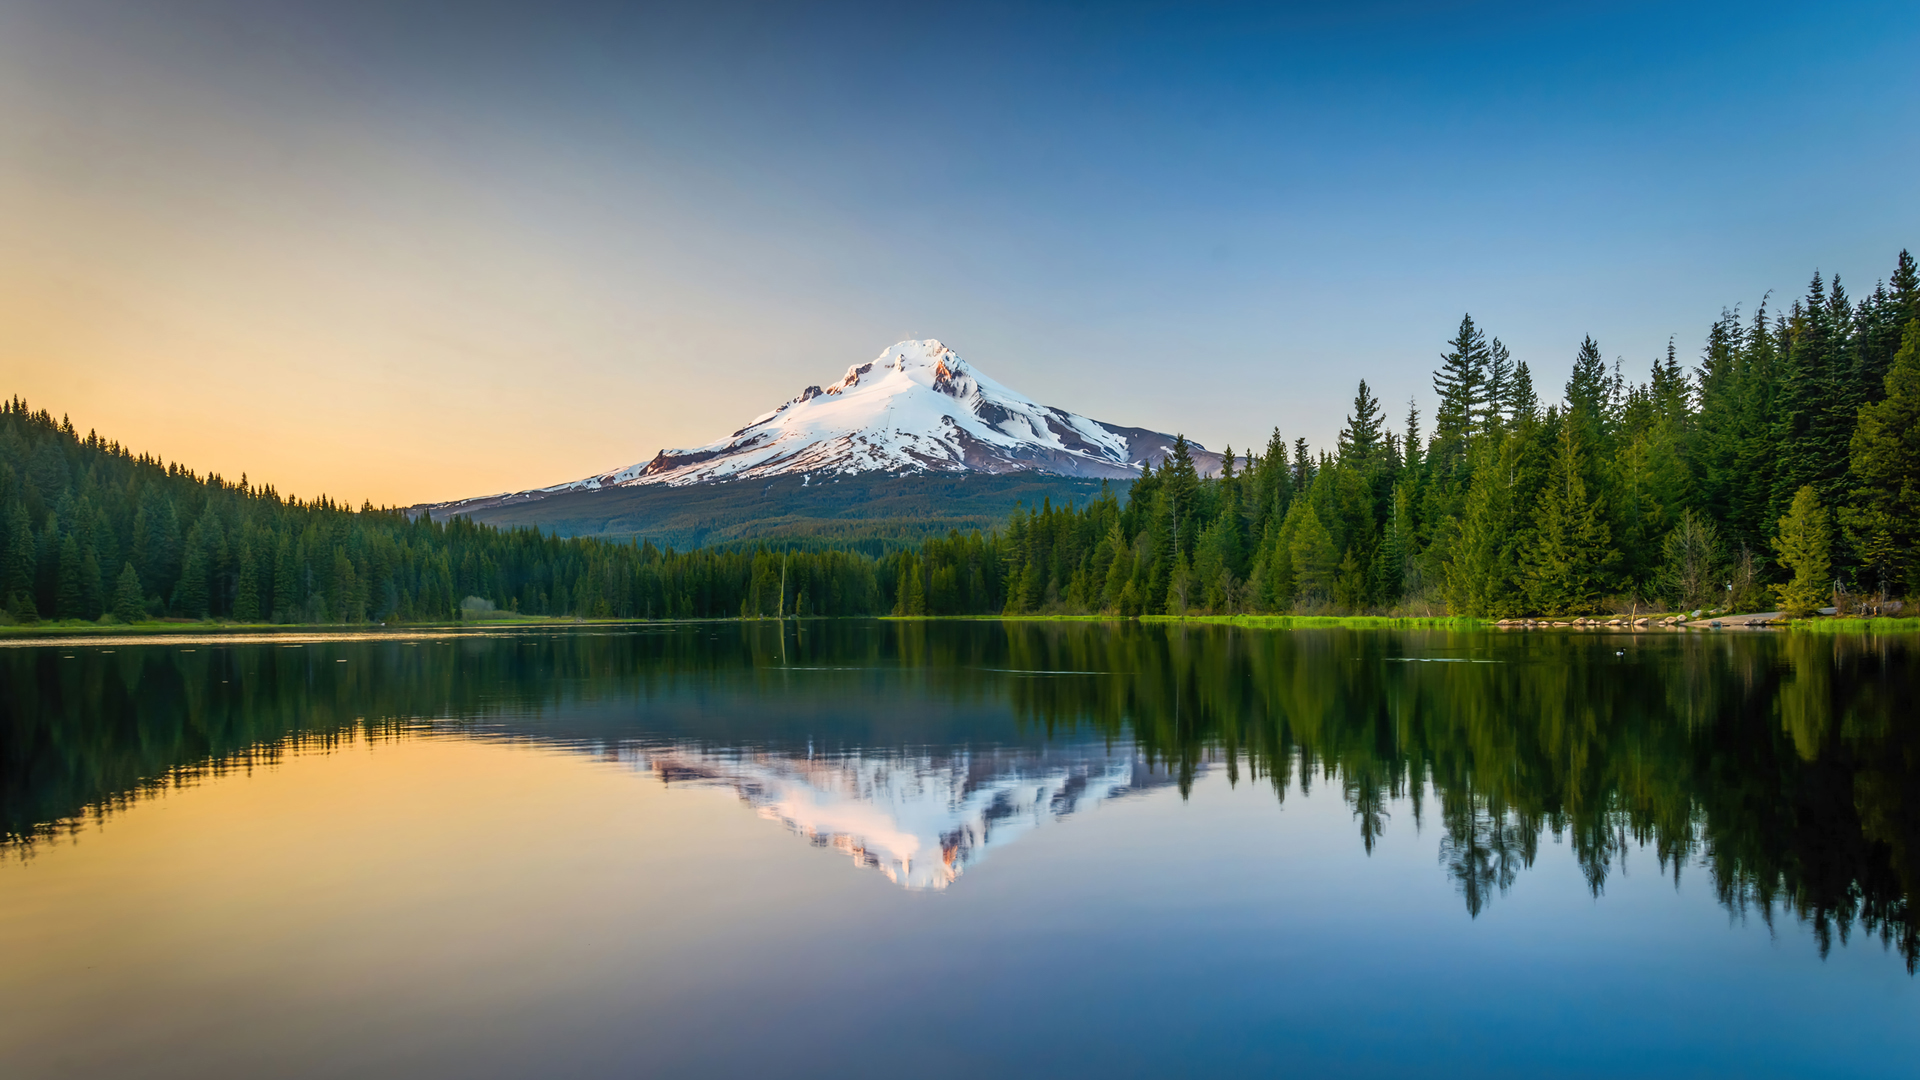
<point>1692,562</point>
<point>1498,398</point>
<point>1805,546</point>
<point>1882,523</point>
<point>1461,386</point>
<point>1570,548</point>
<point>69,600</point>
<point>1480,569</point>
<point>1522,404</point>
<point>246,601</point>
<point>92,600</point>
<point>1396,548</point>
<point>1412,445</point>
<point>1589,392</point>
<point>286,594</point>
<point>190,592</point>
<point>129,603</point>
<point>20,556</point>
<point>1360,442</point>
<point>1811,420</point>
<point>1313,557</point>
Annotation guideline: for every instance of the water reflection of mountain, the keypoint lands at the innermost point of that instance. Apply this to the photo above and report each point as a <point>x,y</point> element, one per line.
<point>919,818</point>
<point>1786,767</point>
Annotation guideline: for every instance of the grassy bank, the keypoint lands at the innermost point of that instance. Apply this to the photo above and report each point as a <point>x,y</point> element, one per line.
<point>1308,622</point>
<point>1258,622</point>
<point>1832,625</point>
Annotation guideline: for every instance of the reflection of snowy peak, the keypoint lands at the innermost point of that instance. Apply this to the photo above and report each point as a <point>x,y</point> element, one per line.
<point>920,819</point>
<point>916,408</point>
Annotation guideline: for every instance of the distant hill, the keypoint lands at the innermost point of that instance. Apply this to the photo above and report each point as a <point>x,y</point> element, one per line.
<point>913,442</point>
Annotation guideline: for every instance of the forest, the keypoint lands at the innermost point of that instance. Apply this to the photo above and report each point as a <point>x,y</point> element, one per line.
<point>1782,470</point>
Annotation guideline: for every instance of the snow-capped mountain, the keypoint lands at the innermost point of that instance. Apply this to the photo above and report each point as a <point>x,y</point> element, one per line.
<point>919,819</point>
<point>916,408</point>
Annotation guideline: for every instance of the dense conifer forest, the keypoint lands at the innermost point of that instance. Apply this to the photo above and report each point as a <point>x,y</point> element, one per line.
<point>1782,470</point>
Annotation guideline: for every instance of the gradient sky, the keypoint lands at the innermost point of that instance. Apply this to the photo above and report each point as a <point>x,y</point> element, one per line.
<point>414,251</point>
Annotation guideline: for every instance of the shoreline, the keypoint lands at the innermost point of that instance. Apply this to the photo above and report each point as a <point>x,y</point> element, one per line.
<point>49,634</point>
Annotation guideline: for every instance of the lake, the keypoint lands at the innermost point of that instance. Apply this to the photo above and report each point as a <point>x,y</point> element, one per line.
<point>866,848</point>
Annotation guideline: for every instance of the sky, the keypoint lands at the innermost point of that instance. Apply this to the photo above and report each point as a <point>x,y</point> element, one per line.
<point>410,251</point>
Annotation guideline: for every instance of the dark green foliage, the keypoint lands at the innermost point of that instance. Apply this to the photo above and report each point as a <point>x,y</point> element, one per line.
<point>128,602</point>
<point>249,553</point>
<point>1805,546</point>
<point>1622,496</point>
<point>1883,522</point>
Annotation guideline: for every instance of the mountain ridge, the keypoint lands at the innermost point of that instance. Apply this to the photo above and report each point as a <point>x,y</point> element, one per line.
<point>916,410</point>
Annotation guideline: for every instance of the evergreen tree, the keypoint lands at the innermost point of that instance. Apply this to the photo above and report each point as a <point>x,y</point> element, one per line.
<point>69,599</point>
<point>287,600</point>
<point>1302,466</point>
<point>1361,441</point>
<point>246,601</point>
<point>1498,399</point>
<point>1883,521</point>
<point>17,584</point>
<point>1313,559</point>
<point>1811,418</point>
<point>1805,546</point>
<point>1412,462</point>
<point>1692,562</point>
<point>1480,571</point>
<point>1589,393</point>
<point>1461,386</point>
<point>1570,548</point>
<point>1522,403</point>
<point>129,603</point>
<point>1395,559</point>
<point>190,594</point>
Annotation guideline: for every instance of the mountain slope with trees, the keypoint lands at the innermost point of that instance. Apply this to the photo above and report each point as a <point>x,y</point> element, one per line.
<point>1784,468</point>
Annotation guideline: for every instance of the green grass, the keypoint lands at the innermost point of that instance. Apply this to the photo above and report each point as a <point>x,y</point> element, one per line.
<point>1258,622</point>
<point>1833,625</point>
<point>1306,622</point>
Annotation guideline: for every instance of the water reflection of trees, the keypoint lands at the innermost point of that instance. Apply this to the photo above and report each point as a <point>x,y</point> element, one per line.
<point>1786,765</point>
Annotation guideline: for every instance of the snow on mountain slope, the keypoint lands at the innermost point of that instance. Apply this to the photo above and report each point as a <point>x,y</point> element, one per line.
<point>917,407</point>
<point>920,819</point>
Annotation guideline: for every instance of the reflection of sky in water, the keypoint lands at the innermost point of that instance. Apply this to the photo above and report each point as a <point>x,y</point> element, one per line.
<point>920,819</point>
<point>518,855</point>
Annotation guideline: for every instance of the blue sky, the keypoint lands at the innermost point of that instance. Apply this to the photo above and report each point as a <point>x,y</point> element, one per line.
<point>586,232</point>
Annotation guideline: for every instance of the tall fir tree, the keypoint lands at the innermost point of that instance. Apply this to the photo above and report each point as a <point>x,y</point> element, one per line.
<point>69,597</point>
<point>129,603</point>
<point>1567,560</point>
<point>1882,522</point>
<point>246,601</point>
<point>1805,546</point>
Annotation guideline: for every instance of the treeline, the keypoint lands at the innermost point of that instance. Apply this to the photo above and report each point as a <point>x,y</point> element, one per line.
<point>92,530</point>
<point>1783,469</point>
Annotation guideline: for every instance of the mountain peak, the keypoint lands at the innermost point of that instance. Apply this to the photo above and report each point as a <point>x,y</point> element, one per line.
<point>918,407</point>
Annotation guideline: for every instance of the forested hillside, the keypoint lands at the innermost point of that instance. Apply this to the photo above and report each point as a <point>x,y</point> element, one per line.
<point>93,530</point>
<point>1784,468</point>
<point>1789,458</point>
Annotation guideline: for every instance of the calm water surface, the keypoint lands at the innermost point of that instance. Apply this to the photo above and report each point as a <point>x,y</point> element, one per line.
<point>945,849</point>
